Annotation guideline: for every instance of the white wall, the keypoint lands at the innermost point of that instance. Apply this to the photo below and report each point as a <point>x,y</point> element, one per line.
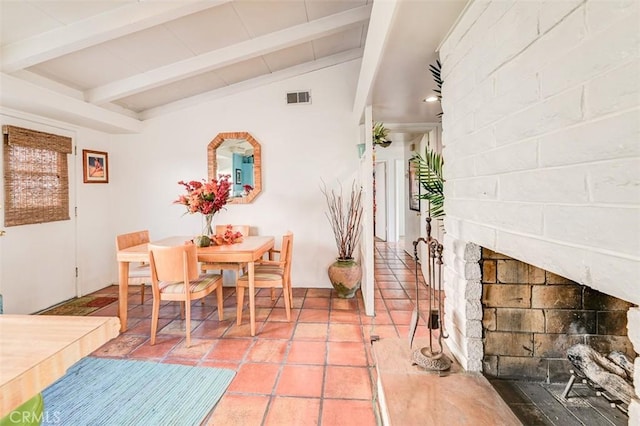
<point>95,225</point>
<point>301,146</point>
<point>541,129</point>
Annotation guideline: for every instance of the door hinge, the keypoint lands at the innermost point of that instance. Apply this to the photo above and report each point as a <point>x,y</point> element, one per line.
<point>76,272</point>
<point>75,150</point>
<point>75,211</point>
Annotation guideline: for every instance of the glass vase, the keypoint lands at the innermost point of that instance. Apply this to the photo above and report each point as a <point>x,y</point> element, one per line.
<point>208,225</point>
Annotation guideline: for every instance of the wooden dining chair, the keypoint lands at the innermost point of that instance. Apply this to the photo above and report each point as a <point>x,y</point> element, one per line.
<point>175,276</point>
<point>139,273</point>
<point>274,261</point>
<point>270,274</point>
<point>233,266</point>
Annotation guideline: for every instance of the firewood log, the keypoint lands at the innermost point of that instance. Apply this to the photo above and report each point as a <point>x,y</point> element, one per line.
<point>623,361</point>
<point>601,371</point>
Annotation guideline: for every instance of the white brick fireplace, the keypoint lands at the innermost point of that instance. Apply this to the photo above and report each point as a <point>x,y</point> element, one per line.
<point>541,135</point>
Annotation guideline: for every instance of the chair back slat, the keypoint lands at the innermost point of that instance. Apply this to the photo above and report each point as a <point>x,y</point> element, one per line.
<point>287,252</point>
<point>179,263</point>
<point>131,239</point>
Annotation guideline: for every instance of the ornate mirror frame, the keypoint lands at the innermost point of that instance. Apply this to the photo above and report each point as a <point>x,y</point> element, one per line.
<point>212,163</point>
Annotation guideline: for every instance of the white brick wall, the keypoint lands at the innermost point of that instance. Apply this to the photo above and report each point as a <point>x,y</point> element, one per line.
<point>612,137</point>
<point>541,134</point>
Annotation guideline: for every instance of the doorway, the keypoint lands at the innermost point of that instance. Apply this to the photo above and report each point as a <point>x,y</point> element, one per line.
<point>380,200</point>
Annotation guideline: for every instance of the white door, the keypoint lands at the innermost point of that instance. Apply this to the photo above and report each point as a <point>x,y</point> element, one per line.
<point>380,200</point>
<point>38,262</point>
<point>400,200</point>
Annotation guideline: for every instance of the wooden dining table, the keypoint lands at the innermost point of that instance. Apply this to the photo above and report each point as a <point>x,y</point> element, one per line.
<point>250,249</point>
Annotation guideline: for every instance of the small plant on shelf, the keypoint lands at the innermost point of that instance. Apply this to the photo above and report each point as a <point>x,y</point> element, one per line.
<point>380,135</point>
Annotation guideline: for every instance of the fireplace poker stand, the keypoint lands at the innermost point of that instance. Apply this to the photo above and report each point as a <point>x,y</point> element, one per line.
<point>430,357</point>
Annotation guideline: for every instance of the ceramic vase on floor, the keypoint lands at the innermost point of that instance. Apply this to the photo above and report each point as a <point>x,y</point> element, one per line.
<point>345,276</point>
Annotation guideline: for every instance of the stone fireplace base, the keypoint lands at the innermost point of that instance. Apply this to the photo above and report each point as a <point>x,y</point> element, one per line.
<point>542,315</point>
<point>531,317</point>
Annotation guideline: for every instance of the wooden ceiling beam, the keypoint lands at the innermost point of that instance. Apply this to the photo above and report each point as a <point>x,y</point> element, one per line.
<point>379,27</point>
<point>27,97</point>
<point>307,67</point>
<point>228,55</point>
<point>98,29</point>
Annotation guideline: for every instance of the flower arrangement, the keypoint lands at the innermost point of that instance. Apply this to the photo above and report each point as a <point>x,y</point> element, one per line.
<point>206,197</point>
<point>227,237</point>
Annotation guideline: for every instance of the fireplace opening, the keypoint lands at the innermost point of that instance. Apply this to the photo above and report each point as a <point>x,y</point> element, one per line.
<point>530,319</point>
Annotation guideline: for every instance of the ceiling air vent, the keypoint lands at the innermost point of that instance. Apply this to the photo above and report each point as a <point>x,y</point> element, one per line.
<point>298,98</point>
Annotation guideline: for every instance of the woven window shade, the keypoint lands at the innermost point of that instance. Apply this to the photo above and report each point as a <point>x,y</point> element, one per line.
<point>36,176</point>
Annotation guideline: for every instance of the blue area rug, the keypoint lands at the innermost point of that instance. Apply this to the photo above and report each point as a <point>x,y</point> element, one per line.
<point>98,391</point>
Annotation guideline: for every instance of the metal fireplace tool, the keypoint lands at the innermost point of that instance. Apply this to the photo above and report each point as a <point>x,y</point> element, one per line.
<point>428,357</point>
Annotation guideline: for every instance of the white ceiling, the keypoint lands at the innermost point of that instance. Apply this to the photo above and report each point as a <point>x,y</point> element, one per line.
<point>141,59</point>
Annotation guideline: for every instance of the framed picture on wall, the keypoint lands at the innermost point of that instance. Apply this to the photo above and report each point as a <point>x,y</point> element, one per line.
<point>95,166</point>
<point>238,180</point>
<point>414,187</point>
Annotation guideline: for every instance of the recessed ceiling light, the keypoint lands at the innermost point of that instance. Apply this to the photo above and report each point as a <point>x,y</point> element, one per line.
<point>430,99</point>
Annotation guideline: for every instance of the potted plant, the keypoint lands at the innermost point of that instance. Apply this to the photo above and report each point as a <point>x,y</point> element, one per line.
<point>380,134</point>
<point>345,216</point>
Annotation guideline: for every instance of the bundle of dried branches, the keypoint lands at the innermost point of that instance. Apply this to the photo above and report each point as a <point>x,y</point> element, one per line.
<point>345,216</point>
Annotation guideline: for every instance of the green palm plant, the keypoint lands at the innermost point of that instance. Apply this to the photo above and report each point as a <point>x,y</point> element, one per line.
<point>430,177</point>
<point>436,73</point>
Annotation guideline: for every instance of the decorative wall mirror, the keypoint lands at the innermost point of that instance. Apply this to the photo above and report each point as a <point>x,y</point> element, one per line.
<point>236,154</point>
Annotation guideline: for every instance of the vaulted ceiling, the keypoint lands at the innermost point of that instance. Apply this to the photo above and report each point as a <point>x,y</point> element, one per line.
<point>141,59</point>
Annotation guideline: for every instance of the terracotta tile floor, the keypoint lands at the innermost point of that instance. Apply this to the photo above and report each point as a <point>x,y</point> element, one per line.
<point>316,369</point>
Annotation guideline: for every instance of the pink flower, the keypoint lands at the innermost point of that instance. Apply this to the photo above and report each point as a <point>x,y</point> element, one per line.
<point>228,237</point>
<point>206,198</point>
